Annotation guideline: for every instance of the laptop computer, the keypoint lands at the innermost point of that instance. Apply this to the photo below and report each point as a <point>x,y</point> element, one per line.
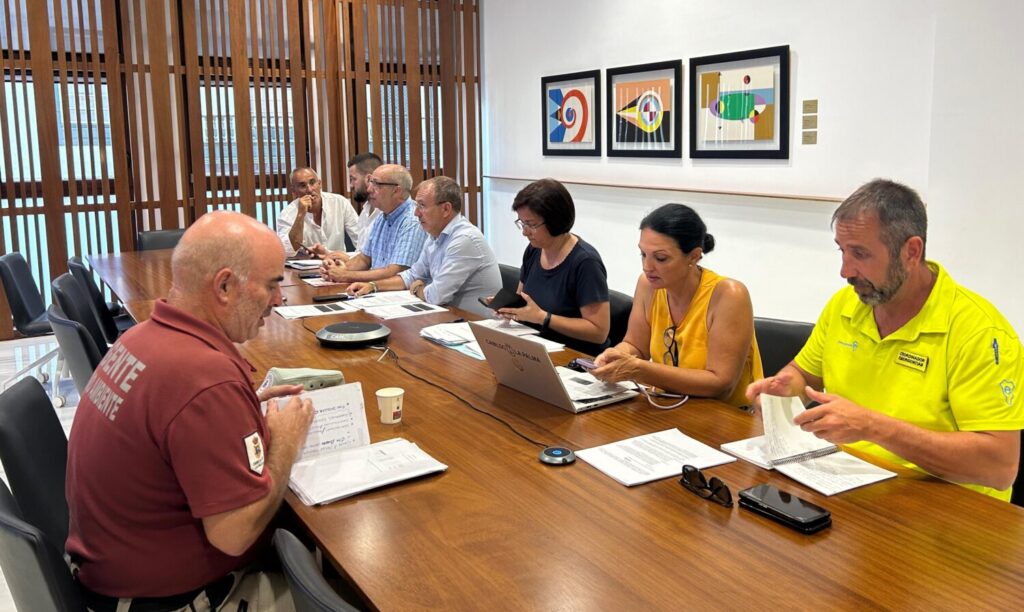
<point>525,365</point>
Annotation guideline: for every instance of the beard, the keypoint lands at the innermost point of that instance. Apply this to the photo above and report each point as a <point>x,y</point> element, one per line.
<point>360,196</point>
<point>873,295</point>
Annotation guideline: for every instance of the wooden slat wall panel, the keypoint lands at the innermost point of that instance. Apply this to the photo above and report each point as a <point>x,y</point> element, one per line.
<point>146,114</point>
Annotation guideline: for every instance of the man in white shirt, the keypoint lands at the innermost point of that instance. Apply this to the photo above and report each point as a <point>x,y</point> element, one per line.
<point>456,266</point>
<point>315,217</point>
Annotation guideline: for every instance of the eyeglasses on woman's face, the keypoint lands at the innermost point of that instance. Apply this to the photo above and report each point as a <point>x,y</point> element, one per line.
<point>527,227</point>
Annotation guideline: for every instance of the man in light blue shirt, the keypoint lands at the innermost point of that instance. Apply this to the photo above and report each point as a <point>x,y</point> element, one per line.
<point>457,265</point>
<point>396,238</point>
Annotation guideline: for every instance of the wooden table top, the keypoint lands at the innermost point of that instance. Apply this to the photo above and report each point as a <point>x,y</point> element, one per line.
<point>501,530</point>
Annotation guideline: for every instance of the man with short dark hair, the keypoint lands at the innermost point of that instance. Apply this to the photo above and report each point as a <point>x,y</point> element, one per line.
<point>360,167</point>
<point>918,370</point>
<point>457,266</point>
<point>315,219</point>
<point>396,238</point>
<point>173,472</point>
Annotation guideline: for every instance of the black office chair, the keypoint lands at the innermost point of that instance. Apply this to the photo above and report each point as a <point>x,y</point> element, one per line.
<point>1017,497</point>
<point>34,452</point>
<point>74,304</point>
<point>33,565</point>
<point>111,320</point>
<point>310,591</point>
<point>509,277</point>
<point>80,353</point>
<point>159,239</point>
<point>28,311</point>
<point>779,341</point>
<point>621,305</point>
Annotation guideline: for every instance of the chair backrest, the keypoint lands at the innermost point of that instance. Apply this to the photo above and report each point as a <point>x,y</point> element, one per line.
<point>509,277</point>
<point>779,341</point>
<point>73,302</point>
<point>96,302</point>
<point>159,239</point>
<point>80,352</point>
<point>1017,497</point>
<point>34,452</point>
<point>310,592</point>
<point>33,566</point>
<point>621,305</point>
<point>22,294</point>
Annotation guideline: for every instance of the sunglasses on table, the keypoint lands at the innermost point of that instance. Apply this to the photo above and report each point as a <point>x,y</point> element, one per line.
<point>714,489</point>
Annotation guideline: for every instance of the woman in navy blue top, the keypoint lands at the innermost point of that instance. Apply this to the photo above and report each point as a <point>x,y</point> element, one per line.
<point>563,279</point>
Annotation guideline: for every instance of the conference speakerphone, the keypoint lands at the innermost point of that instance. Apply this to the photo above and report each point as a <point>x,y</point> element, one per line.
<point>352,334</point>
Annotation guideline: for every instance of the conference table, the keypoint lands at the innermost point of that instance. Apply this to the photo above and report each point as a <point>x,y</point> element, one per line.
<point>501,530</point>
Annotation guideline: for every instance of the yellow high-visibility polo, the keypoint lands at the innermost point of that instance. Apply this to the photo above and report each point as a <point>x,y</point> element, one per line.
<point>956,366</point>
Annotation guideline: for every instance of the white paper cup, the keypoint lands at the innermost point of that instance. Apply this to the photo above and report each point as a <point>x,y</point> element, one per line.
<point>389,401</point>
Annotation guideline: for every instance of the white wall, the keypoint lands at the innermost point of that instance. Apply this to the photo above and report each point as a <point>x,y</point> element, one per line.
<point>921,91</point>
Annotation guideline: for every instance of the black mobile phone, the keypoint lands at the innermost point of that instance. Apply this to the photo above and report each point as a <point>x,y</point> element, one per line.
<point>785,508</point>
<point>504,299</point>
<point>331,297</point>
<point>309,275</point>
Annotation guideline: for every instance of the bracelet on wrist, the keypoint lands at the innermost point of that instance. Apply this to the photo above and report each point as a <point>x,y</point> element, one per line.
<point>373,286</point>
<point>547,322</point>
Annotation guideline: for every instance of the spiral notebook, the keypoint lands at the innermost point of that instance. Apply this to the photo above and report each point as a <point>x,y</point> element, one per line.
<point>801,455</point>
<point>785,441</point>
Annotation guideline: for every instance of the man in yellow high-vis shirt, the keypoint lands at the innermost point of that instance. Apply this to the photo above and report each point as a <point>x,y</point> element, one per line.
<point>907,364</point>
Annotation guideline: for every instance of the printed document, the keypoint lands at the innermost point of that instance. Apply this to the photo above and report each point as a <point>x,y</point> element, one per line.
<point>313,310</point>
<point>652,457</point>
<point>337,459</point>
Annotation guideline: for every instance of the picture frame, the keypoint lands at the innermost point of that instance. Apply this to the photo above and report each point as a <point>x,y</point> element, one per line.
<point>645,110</point>
<point>571,113</point>
<point>739,104</point>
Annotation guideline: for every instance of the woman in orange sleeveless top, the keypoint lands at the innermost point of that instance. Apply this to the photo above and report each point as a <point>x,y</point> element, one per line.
<point>691,331</point>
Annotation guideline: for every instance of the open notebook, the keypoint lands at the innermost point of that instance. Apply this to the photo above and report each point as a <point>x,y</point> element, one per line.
<point>801,455</point>
<point>337,459</point>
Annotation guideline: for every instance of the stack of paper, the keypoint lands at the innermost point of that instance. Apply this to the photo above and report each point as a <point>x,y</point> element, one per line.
<point>320,282</point>
<point>658,455</point>
<point>340,474</point>
<point>303,264</point>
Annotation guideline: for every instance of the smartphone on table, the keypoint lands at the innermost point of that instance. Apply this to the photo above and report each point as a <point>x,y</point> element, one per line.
<point>785,508</point>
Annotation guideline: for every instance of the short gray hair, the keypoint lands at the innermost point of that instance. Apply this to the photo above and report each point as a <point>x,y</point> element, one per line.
<point>445,190</point>
<point>291,175</point>
<point>901,213</point>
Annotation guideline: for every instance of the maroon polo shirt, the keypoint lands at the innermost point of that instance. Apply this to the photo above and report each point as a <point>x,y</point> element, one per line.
<point>168,431</point>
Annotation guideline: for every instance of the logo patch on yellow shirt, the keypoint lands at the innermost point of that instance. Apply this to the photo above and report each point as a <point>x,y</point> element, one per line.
<point>254,450</point>
<point>912,361</point>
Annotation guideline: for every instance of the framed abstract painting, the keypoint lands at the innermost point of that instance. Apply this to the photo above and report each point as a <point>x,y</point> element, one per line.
<point>739,104</point>
<point>571,109</point>
<point>645,106</point>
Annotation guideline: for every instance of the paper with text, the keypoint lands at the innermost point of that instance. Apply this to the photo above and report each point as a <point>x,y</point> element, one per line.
<point>651,457</point>
<point>344,473</point>
<point>339,420</point>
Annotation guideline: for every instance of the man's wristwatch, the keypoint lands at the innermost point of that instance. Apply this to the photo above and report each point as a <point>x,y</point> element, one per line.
<point>373,286</point>
<point>547,322</point>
